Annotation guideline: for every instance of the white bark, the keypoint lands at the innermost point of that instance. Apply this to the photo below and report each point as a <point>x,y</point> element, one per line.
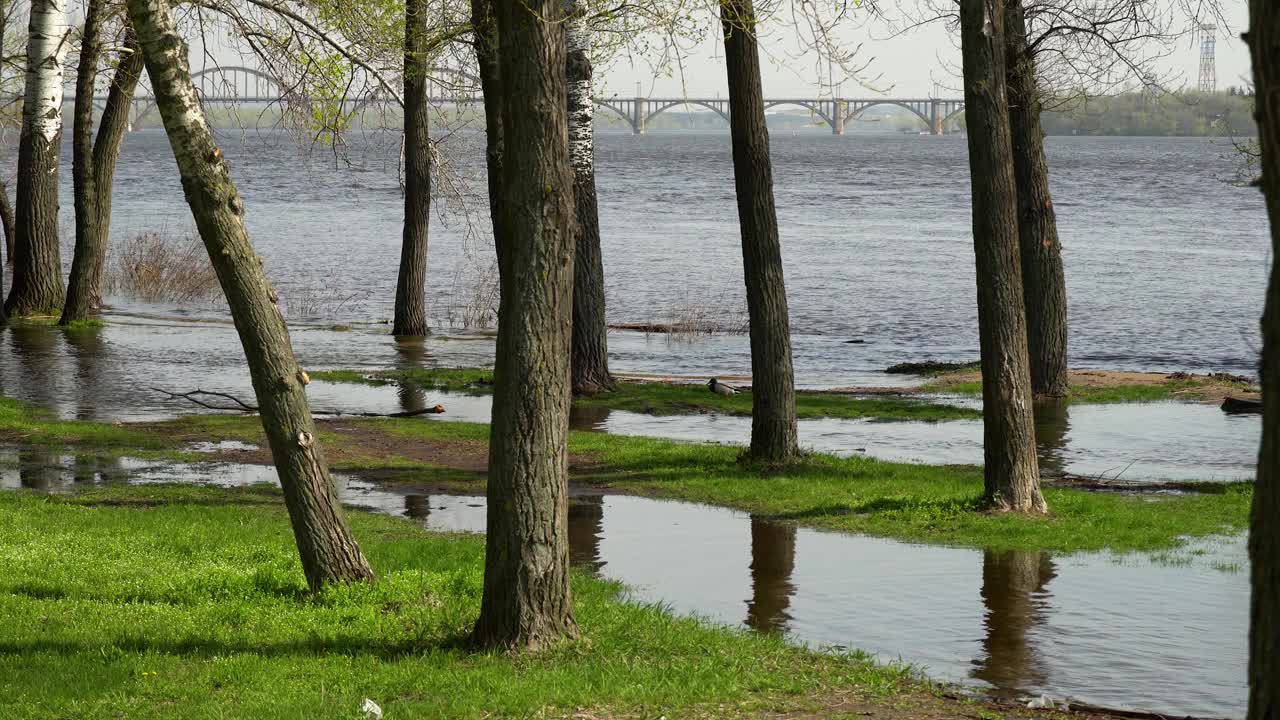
<point>577,40</point>
<point>46,51</point>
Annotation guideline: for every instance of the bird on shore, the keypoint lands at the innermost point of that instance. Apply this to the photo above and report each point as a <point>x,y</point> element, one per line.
<point>720,388</point>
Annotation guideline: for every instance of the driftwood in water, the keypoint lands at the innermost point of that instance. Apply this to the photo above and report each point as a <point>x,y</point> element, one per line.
<point>1241,406</point>
<point>239,405</point>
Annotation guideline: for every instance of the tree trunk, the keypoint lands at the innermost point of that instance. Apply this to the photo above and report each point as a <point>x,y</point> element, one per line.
<point>10,227</point>
<point>590,353</point>
<point>7,222</point>
<point>1264,533</point>
<point>94,163</point>
<point>773,396</point>
<point>411,287</point>
<point>1043,284</point>
<point>329,552</point>
<point>486,42</point>
<point>526,602</point>
<point>37,268</point>
<point>1011,473</point>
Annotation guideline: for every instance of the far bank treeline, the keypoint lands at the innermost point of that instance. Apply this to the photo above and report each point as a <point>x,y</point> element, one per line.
<point>534,62</point>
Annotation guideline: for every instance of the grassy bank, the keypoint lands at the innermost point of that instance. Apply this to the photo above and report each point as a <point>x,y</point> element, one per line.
<point>658,398</point>
<point>181,602</point>
<point>918,503</point>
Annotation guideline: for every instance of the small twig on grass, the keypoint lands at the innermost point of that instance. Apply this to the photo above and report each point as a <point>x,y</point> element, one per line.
<point>242,406</point>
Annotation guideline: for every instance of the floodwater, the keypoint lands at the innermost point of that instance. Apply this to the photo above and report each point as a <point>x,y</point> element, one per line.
<point>112,374</point>
<point>1162,633</point>
<point>1166,261</point>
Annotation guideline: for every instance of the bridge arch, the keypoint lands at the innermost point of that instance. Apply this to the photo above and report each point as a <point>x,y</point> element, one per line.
<point>619,110</point>
<point>861,107</point>
<point>237,82</point>
<point>813,107</point>
<point>659,107</point>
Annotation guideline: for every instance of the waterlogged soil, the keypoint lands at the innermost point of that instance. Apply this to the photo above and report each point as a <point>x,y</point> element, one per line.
<point>1094,628</point>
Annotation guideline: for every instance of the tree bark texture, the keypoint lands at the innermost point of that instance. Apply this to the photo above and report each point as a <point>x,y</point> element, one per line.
<point>37,267</point>
<point>10,226</point>
<point>328,550</point>
<point>590,354</point>
<point>484,28</point>
<point>1011,472</point>
<point>526,602</point>
<point>1264,534</point>
<point>1044,285</point>
<point>411,287</point>
<point>773,397</point>
<point>94,161</point>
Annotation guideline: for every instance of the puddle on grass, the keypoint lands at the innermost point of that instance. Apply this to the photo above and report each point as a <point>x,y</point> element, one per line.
<point>1164,633</point>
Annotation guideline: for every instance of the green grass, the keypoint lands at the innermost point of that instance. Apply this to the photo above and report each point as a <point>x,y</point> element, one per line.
<point>1168,390</point>
<point>23,423</point>
<point>188,602</point>
<point>674,398</point>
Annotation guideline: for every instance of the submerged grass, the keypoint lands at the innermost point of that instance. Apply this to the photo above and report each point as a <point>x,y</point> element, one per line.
<point>653,398</point>
<point>181,602</point>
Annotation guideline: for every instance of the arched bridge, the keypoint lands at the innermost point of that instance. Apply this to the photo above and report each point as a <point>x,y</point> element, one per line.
<point>450,86</point>
<point>935,113</point>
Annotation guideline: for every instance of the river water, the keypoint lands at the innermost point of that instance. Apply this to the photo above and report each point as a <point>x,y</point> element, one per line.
<point>1166,261</point>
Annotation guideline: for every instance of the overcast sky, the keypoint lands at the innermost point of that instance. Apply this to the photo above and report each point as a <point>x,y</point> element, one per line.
<point>918,64</point>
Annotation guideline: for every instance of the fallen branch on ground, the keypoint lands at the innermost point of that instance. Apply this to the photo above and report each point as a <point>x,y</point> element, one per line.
<point>194,396</point>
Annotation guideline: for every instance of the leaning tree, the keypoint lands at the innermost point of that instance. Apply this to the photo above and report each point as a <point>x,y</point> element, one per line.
<point>328,550</point>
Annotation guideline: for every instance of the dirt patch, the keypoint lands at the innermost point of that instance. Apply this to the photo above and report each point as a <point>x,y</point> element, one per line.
<point>1209,388</point>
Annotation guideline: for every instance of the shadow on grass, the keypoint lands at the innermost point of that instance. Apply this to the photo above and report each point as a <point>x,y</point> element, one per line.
<point>459,644</point>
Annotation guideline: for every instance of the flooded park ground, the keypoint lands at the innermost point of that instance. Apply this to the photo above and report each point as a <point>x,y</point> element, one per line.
<point>1158,631</point>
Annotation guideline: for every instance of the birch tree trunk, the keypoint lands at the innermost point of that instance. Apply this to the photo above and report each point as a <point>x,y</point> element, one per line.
<point>411,286</point>
<point>1264,533</point>
<point>94,162</point>
<point>1011,472</point>
<point>526,602</point>
<point>328,550</point>
<point>590,354</point>
<point>37,267</point>
<point>773,396</point>
<point>1044,283</point>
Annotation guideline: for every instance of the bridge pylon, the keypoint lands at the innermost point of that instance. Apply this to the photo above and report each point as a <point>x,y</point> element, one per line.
<point>837,116</point>
<point>638,107</point>
<point>935,117</point>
